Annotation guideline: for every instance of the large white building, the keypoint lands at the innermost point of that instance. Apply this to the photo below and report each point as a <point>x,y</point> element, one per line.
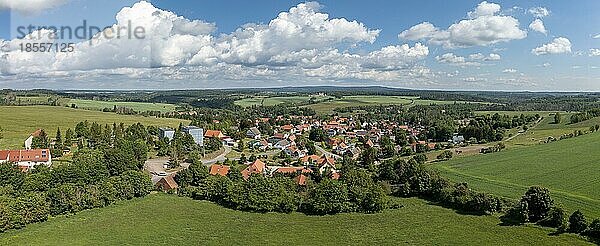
<point>197,134</point>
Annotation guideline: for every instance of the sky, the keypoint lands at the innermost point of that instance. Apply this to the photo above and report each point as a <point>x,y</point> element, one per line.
<point>428,44</point>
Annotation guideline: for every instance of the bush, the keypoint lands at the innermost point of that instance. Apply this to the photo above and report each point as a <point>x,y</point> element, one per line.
<point>577,223</point>
<point>329,197</point>
<point>445,155</point>
<point>517,214</point>
<point>538,202</point>
<point>140,183</point>
<point>557,218</point>
<point>594,229</point>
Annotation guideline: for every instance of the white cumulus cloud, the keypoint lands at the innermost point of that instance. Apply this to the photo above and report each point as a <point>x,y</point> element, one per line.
<point>557,46</point>
<point>594,52</point>
<point>539,12</point>
<point>485,26</point>
<point>538,26</point>
<point>297,43</point>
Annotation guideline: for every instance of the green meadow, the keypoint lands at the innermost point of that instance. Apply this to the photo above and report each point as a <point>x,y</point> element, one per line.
<point>570,168</point>
<point>162,219</point>
<point>17,122</point>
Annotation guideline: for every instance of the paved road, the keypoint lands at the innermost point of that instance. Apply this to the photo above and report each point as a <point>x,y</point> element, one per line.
<point>220,158</point>
<point>320,149</point>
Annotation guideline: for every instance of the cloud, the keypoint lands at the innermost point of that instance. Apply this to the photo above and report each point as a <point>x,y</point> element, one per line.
<point>30,6</point>
<point>299,43</point>
<point>421,31</point>
<point>538,26</point>
<point>484,9</point>
<point>509,70</point>
<point>472,60</point>
<point>597,36</point>
<point>557,46</point>
<point>539,12</point>
<point>484,27</point>
<point>594,52</point>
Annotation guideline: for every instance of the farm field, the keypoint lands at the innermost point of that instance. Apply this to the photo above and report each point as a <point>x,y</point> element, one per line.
<point>167,219</point>
<point>569,168</point>
<point>546,128</point>
<point>137,106</point>
<point>328,104</point>
<point>19,121</point>
<point>98,105</point>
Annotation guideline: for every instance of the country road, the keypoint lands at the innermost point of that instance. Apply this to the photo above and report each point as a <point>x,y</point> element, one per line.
<point>320,149</point>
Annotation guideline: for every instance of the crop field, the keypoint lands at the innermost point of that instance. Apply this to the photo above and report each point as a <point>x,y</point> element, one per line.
<point>569,168</point>
<point>161,219</point>
<point>137,106</point>
<point>271,101</point>
<point>19,121</point>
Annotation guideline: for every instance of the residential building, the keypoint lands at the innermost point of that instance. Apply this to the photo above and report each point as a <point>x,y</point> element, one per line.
<point>214,134</point>
<point>167,183</point>
<point>253,133</point>
<point>29,140</point>
<point>256,167</point>
<point>27,159</point>
<point>197,134</point>
<point>165,132</point>
<point>219,169</point>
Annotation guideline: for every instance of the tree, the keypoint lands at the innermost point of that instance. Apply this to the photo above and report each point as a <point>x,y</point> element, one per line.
<point>557,118</point>
<point>420,158</point>
<point>577,222</point>
<point>317,135</point>
<point>594,229</point>
<point>557,218</point>
<point>539,202</point>
<point>445,155</point>
<point>328,197</point>
<point>40,141</point>
<point>368,157</point>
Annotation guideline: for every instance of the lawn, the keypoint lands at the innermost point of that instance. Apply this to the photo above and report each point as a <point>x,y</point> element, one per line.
<point>19,121</point>
<point>137,106</point>
<point>169,220</point>
<point>569,168</point>
<point>271,101</point>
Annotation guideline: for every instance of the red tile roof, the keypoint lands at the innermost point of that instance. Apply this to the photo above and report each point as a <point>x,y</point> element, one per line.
<point>4,155</point>
<point>213,134</point>
<point>33,155</point>
<point>293,170</point>
<point>219,169</point>
<point>256,167</point>
<point>301,179</point>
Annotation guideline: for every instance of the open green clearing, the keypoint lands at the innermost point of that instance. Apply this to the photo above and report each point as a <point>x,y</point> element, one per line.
<point>570,168</point>
<point>99,105</point>
<point>166,219</point>
<point>137,106</point>
<point>326,104</point>
<point>17,122</point>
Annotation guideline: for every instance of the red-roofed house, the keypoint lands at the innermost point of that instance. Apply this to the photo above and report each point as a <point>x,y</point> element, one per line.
<point>256,167</point>
<point>167,183</point>
<point>27,158</point>
<point>301,180</point>
<point>217,169</point>
<point>29,140</point>
<point>214,134</point>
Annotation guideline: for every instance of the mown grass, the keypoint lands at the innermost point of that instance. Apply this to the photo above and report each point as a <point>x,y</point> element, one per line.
<point>17,122</point>
<point>137,106</point>
<point>169,220</point>
<point>569,168</point>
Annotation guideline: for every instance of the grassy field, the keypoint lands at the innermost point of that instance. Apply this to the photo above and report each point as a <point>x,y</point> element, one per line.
<point>327,104</point>
<point>271,101</point>
<point>98,105</point>
<point>169,220</point>
<point>20,121</point>
<point>137,106</point>
<point>569,168</point>
<point>546,128</point>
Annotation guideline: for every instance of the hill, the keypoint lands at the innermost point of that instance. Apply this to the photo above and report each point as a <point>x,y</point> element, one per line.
<point>570,168</point>
<point>19,121</point>
<point>167,219</point>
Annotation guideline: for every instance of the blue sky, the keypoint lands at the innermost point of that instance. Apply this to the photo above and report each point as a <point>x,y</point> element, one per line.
<point>363,49</point>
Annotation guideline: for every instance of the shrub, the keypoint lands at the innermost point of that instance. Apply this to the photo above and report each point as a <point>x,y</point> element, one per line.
<point>329,197</point>
<point>556,218</point>
<point>538,202</point>
<point>594,229</point>
<point>577,223</point>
